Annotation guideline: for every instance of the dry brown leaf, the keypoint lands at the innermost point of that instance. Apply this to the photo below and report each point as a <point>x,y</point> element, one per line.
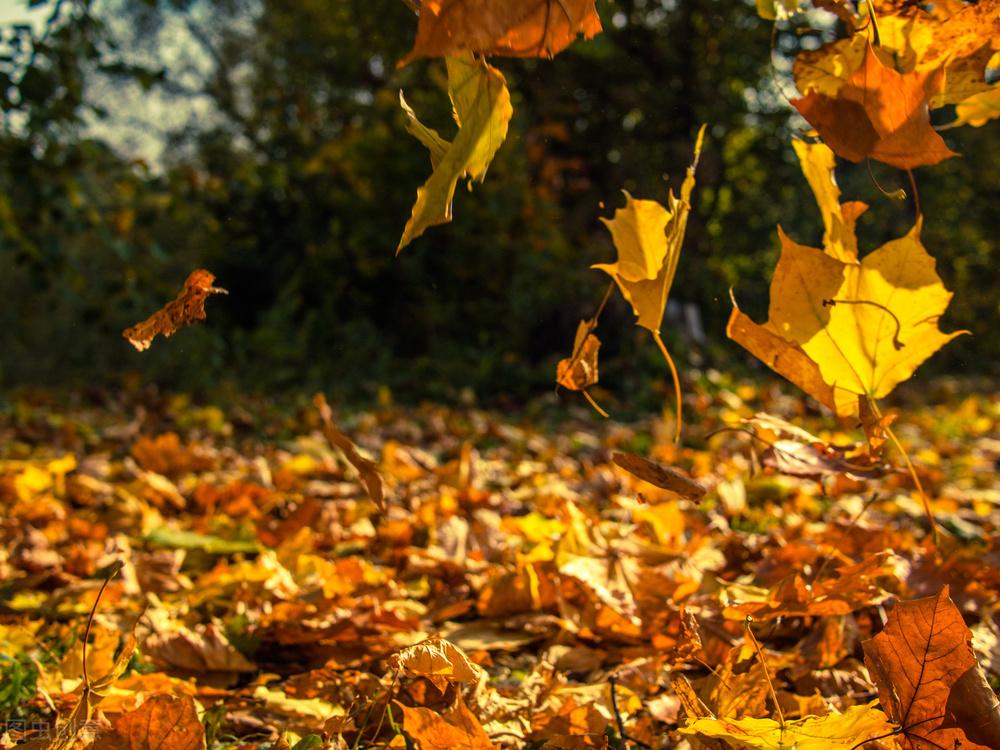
<point>187,308</point>
<point>658,475</point>
<point>456,729</point>
<point>163,722</point>
<point>928,679</point>
<point>204,651</point>
<point>367,469</point>
<point>511,28</point>
<point>436,657</point>
<point>579,371</point>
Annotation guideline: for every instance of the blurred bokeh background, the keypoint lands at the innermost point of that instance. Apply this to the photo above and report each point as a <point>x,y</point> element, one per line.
<point>263,140</point>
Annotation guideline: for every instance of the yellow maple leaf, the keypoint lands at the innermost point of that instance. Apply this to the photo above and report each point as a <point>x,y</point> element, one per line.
<point>866,325</point>
<point>839,328</point>
<point>648,238</point>
<point>482,109</point>
<point>846,730</point>
<point>839,238</point>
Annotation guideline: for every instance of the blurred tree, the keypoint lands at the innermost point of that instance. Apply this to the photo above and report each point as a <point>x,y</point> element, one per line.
<point>287,171</point>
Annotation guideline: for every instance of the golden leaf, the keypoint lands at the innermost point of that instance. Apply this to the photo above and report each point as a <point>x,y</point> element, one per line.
<point>844,731</point>
<point>648,238</point>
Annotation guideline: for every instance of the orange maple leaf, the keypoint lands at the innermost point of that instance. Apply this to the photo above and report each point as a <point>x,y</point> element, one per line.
<point>879,113</point>
<point>928,679</point>
<point>511,28</point>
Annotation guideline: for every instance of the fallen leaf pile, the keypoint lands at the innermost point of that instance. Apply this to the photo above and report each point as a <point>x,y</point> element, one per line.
<point>563,584</point>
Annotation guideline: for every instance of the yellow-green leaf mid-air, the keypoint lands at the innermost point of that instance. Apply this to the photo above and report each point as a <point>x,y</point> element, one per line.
<point>482,110</point>
<point>648,237</point>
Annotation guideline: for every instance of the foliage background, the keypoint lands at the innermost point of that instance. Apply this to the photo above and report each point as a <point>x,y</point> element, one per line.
<point>286,170</point>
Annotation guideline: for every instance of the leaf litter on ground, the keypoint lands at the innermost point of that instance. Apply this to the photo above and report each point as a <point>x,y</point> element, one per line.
<point>568,583</point>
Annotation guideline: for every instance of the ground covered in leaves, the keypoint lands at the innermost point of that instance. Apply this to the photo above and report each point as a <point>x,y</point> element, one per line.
<point>519,589</point>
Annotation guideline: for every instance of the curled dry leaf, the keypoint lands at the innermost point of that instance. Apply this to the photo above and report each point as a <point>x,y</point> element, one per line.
<point>511,28</point>
<point>928,679</point>
<point>436,657</point>
<point>187,308</point>
<point>580,370</point>
<point>658,475</point>
<point>367,469</point>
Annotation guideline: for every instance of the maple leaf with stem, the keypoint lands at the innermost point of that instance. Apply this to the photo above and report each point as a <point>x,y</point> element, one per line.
<point>648,237</point>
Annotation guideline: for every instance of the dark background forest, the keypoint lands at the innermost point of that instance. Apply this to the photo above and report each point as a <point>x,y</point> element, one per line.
<point>271,150</point>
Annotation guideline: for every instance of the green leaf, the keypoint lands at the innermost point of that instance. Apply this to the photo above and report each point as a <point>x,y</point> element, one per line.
<point>168,537</point>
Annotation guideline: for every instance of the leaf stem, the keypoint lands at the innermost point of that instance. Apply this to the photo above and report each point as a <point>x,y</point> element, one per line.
<point>899,326</point>
<point>117,566</point>
<point>413,5</point>
<point>677,383</point>
<point>913,473</point>
<point>592,402</point>
<point>897,195</point>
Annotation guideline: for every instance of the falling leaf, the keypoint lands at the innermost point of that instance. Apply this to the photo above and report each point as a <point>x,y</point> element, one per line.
<point>839,219</point>
<point>658,475</point>
<point>579,371</point>
<point>162,722</point>
<point>437,657</point>
<point>367,469</point>
<point>867,326</point>
<point>956,38</point>
<point>928,679</point>
<point>482,111</point>
<point>648,238</point>
<point>789,360</point>
<point>845,731</point>
<point>187,308</point>
<point>978,110</point>
<point>879,113</point>
<point>511,28</point>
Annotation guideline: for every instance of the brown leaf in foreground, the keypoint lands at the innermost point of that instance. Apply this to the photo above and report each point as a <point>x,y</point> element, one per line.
<point>163,722</point>
<point>512,28</point>
<point>367,469</point>
<point>183,310</point>
<point>457,729</point>
<point>928,679</point>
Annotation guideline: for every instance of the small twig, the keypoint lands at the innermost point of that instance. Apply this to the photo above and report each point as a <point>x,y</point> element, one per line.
<point>767,676</point>
<point>899,326</point>
<point>622,734</point>
<point>916,194</point>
